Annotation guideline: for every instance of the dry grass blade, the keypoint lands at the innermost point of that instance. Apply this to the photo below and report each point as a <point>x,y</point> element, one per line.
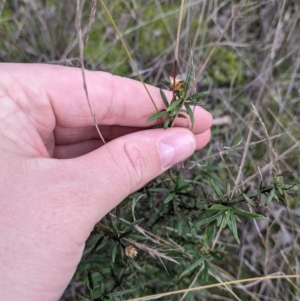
<point>127,52</point>
<point>81,50</point>
<point>151,251</point>
<point>91,20</point>
<point>206,287</point>
<point>178,30</point>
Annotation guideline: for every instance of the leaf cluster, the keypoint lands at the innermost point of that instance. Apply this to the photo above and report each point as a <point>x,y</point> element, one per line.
<point>178,211</point>
<point>181,104</point>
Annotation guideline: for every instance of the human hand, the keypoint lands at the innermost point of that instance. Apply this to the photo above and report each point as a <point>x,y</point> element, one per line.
<point>58,180</point>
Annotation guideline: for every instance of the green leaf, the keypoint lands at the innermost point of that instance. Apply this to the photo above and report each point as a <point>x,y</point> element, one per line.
<point>183,187</point>
<point>278,187</point>
<point>228,215</point>
<point>134,263</point>
<point>164,97</point>
<point>247,213</point>
<point>180,227</point>
<point>174,112</point>
<point>276,179</point>
<point>276,198</point>
<point>156,116</point>
<point>228,188</point>
<point>197,95</point>
<point>187,82</point>
<point>204,273</point>
<point>167,123</point>
<point>115,230</point>
<point>118,214</point>
<point>289,186</point>
<point>91,295</point>
<point>190,113</point>
<point>129,227</point>
<point>169,198</point>
<point>101,245</point>
<point>270,196</point>
<point>194,265</point>
<point>219,207</point>
<point>206,218</point>
<point>210,234</point>
<point>174,104</point>
<point>165,82</point>
<point>233,228</point>
<point>220,220</point>
<point>217,190</point>
<point>149,198</point>
<point>90,283</point>
<point>248,200</point>
<point>159,189</point>
<point>114,251</point>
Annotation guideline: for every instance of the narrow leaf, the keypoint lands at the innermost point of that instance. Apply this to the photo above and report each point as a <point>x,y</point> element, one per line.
<point>278,187</point>
<point>183,187</point>
<point>129,227</point>
<point>248,200</point>
<point>180,227</point>
<point>190,113</point>
<point>114,251</point>
<point>228,215</point>
<point>156,116</point>
<point>187,82</point>
<point>217,190</point>
<point>233,227</point>
<point>169,198</point>
<point>101,245</point>
<point>194,265</point>
<point>159,189</point>
<point>174,112</point>
<point>220,219</point>
<point>270,197</point>
<point>207,218</point>
<point>197,95</point>
<point>210,233</point>
<point>134,263</point>
<point>164,97</point>
<point>149,198</point>
<point>167,123</point>
<point>90,283</point>
<point>165,82</point>
<point>118,214</point>
<point>174,104</point>
<point>115,229</point>
<point>219,207</point>
<point>247,213</point>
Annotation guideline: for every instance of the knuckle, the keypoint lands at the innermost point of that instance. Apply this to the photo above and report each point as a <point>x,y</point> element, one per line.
<point>137,164</point>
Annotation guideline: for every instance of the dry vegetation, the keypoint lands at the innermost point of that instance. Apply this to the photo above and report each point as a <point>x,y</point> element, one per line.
<point>253,80</point>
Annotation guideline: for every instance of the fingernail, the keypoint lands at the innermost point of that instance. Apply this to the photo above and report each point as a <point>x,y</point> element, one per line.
<point>175,148</point>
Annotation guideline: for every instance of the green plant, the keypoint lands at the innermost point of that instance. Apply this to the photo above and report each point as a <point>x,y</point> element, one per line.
<point>181,104</point>
<point>186,224</point>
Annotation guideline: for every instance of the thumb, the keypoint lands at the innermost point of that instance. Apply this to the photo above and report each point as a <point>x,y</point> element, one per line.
<point>126,164</point>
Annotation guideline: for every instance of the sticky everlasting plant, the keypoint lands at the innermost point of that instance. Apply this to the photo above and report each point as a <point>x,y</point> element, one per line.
<point>181,104</point>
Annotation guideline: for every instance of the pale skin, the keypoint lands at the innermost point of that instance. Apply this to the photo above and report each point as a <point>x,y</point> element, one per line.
<point>58,179</point>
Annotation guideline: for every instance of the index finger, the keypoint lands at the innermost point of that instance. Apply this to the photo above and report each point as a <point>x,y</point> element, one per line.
<point>114,100</point>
